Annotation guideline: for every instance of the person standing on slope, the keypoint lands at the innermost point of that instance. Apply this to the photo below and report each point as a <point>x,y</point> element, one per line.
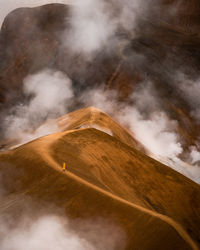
<point>64,167</point>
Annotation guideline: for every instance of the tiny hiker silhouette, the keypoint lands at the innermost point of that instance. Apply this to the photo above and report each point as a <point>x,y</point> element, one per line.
<point>64,167</point>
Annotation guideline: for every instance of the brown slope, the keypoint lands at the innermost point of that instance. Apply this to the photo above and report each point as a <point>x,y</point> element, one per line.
<point>109,165</point>
<point>145,229</point>
<point>96,118</point>
<point>162,190</point>
<point>90,117</point>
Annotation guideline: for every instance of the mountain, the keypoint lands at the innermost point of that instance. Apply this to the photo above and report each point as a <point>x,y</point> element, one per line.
<point>92,117</point>
<point>105,177</point>
<point>89,117</point>
<point>109,174</point>
<point>163,44</point>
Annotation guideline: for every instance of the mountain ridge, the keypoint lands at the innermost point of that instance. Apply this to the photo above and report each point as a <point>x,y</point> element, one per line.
<point>42,151</point>
<point>118,168</point>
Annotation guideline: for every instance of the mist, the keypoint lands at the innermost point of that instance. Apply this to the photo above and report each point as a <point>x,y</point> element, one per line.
<point>45,233</point>
<point>49,94</point>
<point>150,124</point>
<point>88,33</point>
<point>189,89</point>
<point>55,232</point>
<point>194,155</point>
<point>95,24</point>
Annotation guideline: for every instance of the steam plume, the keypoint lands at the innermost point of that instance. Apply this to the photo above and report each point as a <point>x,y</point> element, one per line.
<point>53,232</point>
<point>50,93</point>
<point>150,124</point>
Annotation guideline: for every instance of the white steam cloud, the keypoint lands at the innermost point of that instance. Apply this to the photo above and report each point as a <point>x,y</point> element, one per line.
<point>57,233</point>
<point>91,26</point>
<point>94,24</point>
<point>190,90</point>
<point>50,95</point>
<point>47,233</point>
<point>156,133</point>
<point>194,155</point>
<point>150,125</point>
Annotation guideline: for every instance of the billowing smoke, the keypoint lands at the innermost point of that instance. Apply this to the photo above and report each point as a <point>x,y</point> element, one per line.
<point>98,97</point>
<point>190,90</point>
<point>156,133</point>
<point>46,233</point>
<point>49,95</point>
<point>91,26</point>
<point>53,232</point>
<point>151,125</point>
<point>194,155</point>
<point>96,23</point>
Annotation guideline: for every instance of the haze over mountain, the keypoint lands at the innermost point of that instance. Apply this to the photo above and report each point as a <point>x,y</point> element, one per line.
<point>62,67</point>
<point>105,177</point>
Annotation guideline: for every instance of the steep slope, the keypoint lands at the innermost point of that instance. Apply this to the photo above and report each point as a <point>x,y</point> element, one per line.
<point>96,118</point>
<point>110,152</point>
<point>121,170</point>
<point>108,178</point>
<point>90,117</point>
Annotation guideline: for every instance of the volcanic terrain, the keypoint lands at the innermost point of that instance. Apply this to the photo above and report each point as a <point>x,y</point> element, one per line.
<point>109,174</point>
<point>106,177</point>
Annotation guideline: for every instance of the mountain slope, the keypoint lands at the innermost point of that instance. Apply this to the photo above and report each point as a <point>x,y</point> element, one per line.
<point>96,118</point>
<point>108,173</point>
<point>97,149</point>
<point>131,175</point>
<point>112,177</point>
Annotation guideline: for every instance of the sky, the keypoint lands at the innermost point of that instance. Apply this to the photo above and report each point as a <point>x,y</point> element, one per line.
<point>7,6</point>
